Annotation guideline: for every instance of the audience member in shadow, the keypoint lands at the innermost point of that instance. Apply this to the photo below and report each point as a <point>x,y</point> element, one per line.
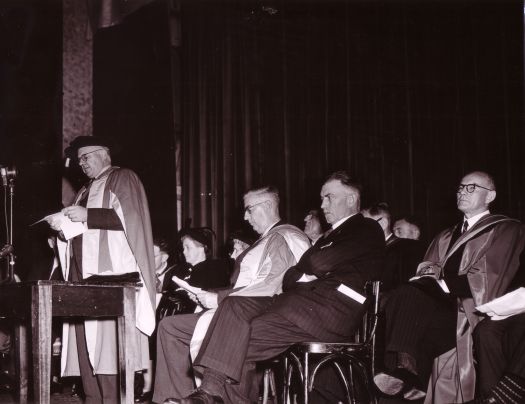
<point>407,227</point>
<point>402,255</point>
<point>314,225</point>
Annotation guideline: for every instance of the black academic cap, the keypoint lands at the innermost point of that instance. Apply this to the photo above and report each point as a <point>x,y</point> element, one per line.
<point>84,141</point>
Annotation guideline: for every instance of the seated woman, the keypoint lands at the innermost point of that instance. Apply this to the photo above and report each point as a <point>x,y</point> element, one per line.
<point>199,270</point>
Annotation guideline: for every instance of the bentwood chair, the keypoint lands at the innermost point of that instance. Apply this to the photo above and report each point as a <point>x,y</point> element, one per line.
<point>303,361</point>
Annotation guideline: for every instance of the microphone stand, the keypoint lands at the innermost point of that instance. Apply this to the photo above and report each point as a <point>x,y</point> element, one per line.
<point>12,258</point>
<point>8,175</point>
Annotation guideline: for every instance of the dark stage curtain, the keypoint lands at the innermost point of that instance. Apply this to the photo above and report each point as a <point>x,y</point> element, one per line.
<point>132,105</point>
<point>30,127</point>
<point>407,96</point>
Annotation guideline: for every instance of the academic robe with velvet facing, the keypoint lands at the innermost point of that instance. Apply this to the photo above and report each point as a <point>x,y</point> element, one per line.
<point>105,250</point>
<point>490,260</point>
<point>284,246</point>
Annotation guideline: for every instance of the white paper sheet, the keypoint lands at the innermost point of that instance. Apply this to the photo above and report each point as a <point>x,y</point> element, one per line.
<point>185,285</point>
<point>69,229</point>
<point>345,290</point>
<point>505,306</point>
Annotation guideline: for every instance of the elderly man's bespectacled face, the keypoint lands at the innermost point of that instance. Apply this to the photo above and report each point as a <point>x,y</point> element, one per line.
<point>473,203</point>
<point>255,213</point>
<point>91,160</point>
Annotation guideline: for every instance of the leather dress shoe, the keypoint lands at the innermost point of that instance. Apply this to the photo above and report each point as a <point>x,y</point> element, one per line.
<point>200,396</point>
<point>399,383</point>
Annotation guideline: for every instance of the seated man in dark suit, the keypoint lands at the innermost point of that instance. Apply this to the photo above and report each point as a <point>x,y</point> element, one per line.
<point>402,255</point>
<point>321,301</point>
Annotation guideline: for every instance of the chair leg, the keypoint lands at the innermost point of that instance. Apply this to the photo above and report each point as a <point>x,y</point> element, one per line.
<point>351,382</point>
<point>273,389</point>
<point>347,383</point>
<point>306,380</point>
<point>287,377</point>
<point>367,379</point>
<point>266,385</point>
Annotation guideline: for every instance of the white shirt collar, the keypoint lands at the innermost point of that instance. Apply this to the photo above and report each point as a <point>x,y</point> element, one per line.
<point>340,221</point>
<point>474,219</point>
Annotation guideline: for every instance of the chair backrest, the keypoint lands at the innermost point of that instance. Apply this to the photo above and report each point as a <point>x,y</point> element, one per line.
<point>366,333</point>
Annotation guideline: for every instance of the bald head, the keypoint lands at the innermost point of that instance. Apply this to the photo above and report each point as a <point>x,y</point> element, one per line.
<point>475,193</point>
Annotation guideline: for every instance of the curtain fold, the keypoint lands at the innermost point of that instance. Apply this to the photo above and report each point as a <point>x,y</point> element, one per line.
<point>405,96</point>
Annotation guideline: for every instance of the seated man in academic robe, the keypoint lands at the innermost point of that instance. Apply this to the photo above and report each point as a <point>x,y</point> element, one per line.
<point>466,265</point>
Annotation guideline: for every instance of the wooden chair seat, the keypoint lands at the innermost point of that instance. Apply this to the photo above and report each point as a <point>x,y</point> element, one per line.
<point>349,359</point>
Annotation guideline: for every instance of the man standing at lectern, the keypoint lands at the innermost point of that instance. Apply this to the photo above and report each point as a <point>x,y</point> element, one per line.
<point>117,239</point>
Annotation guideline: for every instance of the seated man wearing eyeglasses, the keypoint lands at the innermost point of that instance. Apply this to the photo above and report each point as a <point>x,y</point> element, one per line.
<point>258,271</point>
<point>434,314</point>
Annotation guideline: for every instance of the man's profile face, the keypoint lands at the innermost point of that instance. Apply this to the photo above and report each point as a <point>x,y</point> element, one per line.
<point>161,257</point>
<point>312,225</point>
<point>90,159</point>
<point>337,201</point>
<point>403,229</point>
<point>478,201</point>
<point>255,213</point>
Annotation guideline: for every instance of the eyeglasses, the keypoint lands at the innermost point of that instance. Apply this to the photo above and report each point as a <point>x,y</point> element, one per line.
<point>470,188</point>
<point>248,209</point>
<point>82,158</point>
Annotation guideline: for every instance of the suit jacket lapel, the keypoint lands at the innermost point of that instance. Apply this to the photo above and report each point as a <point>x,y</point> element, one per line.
<point>332,236</point>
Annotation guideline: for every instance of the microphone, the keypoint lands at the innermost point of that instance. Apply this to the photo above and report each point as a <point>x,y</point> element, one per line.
<point>7,174</point>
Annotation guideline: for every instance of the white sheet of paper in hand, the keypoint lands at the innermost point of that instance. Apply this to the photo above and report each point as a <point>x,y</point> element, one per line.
<point>307,278</point>
<point>505,306</point>
<point>69,229</point>
<point>185,285</point>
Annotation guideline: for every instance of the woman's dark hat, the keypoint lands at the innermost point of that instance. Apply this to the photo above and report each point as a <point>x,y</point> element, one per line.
<point>84,141</point>
<point>203,235</point>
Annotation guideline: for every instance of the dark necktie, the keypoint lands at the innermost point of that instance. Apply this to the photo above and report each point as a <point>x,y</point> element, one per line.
<point>465,227</point>
<point>84,198</point>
